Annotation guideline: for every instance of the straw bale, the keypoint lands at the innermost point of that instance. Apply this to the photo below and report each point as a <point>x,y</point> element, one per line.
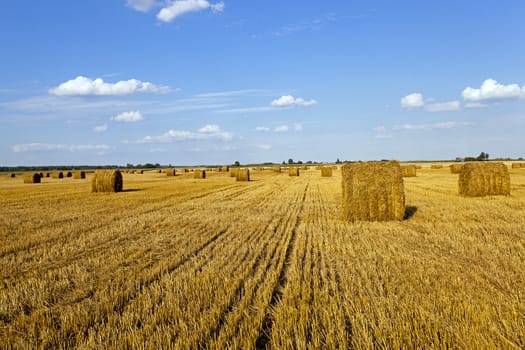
<point>57,175</point>
<point>478,179</point>
<point>199,174</point>
<point>373,191</point>
<point>234,172</point>
<point>276,169</point>
<point>79,175</point>
<point>326,171</point>
<point>518,165</point>
<point>409,170</point>
<point>456,168</point>
<point>13,175</point>
<point>171,172</point>
<point>107,181</point>
<point>243,174</point>
<point>32,178</point>
<point>293,171</point>
<point>436,166</point>
<point>68,174</point>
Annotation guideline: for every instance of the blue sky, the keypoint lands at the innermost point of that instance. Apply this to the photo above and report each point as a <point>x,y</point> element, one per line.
<point>212,82</point>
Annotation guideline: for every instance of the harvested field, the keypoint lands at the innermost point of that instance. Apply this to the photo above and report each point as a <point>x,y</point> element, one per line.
<point>176,263</point>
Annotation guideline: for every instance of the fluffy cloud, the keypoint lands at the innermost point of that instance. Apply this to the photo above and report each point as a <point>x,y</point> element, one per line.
<point>100,128</point>
<point>290,101</point>
<point>28,147</point>
<point>281,128</point>
<point>414,100</point>
<point>82,86</point>
<point>262,128</point>
<point>176,8</point>
<point>492,90</point>
<point>142,5</point>
<point>208,132</point>
<point>131,116</point>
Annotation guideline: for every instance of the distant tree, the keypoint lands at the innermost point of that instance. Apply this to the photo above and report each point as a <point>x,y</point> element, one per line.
<point>290,161</point>
<point>309,162</point>
<point>299,162</point>
<point>337,161</point>
<point>129,165</point>
<point>237,163</point>
<point>483,156</point>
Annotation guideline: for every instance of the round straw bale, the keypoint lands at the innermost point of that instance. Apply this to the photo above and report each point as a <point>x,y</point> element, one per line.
<point>276,169</point>
<point>478,179</point>
<point>13,175</point>
<point>518,165</point>
<point>199,174</point>
<point>456,168</point>
<point>326,171</point>
<point>32,178</point>
<point>171,172</point>
<point>234,172</point>
<point>140,171</point>
<point>293,171</point>
<point>408,170</point>
<point>243,174</point>
<point>68,174</point>
<point>79,175</point>
<point>373,191</point>
<point>107,181</point>
<point>57,175</point>
<point>436,166</point>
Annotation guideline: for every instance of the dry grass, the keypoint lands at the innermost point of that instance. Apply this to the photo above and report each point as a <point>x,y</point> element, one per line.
<point>373,191</point>
<point>184,264</point>
<point>478,179</point>
<point>436,166</point>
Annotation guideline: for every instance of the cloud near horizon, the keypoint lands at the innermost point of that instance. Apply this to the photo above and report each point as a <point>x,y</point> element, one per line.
<point>174,9</point>
<point>492,90</point>
<point>28,147</point>
<point>208,132</point>
<point>290,101</point>
<point>82,86</point>
<point>128,117</point>
<point>415,101</point>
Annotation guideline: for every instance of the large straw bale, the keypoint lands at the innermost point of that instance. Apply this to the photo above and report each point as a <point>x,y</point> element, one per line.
<point>243,174</point>
<point>79,175</point>
<point>326,171</point>
<point>478,179</point>
<point>170,172</point>
<point>456,168</point>
<point>436,166</point>
<point>199,174</point>
<point>234,172</point>
<point>373,191</point>
<point>408,170</point>
<point>107,181</point>
<point>32,178</point>
<point>293,171</point>
<point>57,175</point>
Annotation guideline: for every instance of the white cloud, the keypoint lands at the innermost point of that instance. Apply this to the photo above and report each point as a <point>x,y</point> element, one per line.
<point>82,86</point>
<point>142,5</point>
<point>281,128</point>
<point>290,101</point>
<point>413,100</point>
<point>129,117</point>
<point>476,105</point>
<point>492,90</point>
<point>208,132</point>
<point>174,9</point>
<point>265,147</point>
<point>100,128</point>
<point>443,106</point>
<point>28,147</point>
<point>210,129</point>
<point>297,127</point>
<point>444,125</point>
<point>262,128</point>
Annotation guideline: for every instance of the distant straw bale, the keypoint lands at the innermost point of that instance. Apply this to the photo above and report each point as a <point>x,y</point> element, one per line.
<point>107,181</point>
<point>293,171</point>
<point>57,175</point>
<point>518,165</point>
<point>478,179</point>
<point>68,174</point>
<point>79,175</point>
<point>234,172</point>
<point>326,171</point>
<point>170,172</point>
<point>13,175</point>
<point>373,191</point>
<point>456,168</point>
<point>32,178</point>
<point>418,167</point>
<point>199,174</point>
<point>243,174</point>
<point>225,169</point>
<point>276,169</point>
<point>409,170</point>
<point>436,166</point>
<point>140,171</point>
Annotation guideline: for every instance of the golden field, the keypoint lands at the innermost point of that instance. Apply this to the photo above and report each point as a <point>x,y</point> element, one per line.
<point>184,263</point>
